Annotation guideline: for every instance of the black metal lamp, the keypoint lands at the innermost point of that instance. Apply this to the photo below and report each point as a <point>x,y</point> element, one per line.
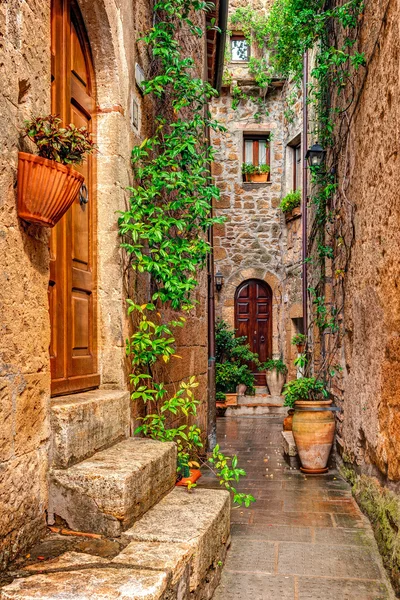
<point>219,281</point>
<point>316,155</point>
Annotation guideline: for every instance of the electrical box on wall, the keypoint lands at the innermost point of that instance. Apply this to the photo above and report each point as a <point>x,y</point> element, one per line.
<point>139,76</point>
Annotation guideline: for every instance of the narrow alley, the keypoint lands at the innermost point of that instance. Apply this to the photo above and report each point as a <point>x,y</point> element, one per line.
<point>304,538</point>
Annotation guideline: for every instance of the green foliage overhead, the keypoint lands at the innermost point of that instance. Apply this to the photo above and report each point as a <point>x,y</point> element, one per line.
<point>304,388</point>
<point>290,201</point>
<point>164,233</point>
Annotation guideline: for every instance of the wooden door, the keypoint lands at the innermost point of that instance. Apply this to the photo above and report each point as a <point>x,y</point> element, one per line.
<point>253,319</point>
<point>72,289</point>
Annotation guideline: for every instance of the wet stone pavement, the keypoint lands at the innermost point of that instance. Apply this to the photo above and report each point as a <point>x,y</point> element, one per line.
<point>305,538</point>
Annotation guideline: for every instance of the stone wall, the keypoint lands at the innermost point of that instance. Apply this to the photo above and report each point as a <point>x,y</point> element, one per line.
<point>369,174</point>
<point>256,241</point>
<point>113,30</point>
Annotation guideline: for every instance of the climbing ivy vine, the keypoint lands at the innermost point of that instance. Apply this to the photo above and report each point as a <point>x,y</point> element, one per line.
<point>331,32</point>
<point>164,233</point>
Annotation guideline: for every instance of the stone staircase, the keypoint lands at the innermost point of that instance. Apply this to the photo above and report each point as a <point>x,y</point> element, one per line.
<point>105,482</point>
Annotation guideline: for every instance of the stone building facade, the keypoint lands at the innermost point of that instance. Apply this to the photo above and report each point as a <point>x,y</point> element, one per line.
<point>30,428</point>
<point>256,241</point>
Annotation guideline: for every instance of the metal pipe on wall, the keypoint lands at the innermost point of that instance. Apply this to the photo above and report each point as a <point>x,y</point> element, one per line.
<point>304,194</point>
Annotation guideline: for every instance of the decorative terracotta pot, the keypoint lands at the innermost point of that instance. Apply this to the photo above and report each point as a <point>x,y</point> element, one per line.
<point>293,214</point>
<point>288,421</point>
<point>241,389</point>
<point>275,382</point>
<point>231,399</point>
<point>259,178</point>
<point>313,432</point>
<point>46,189</point>
<point>195,474</point>
<point>300,348</point>
<point>221,409</point>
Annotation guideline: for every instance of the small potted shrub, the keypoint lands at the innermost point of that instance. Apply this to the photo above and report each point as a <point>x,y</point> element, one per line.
<point>313,429</point>
<point>299,340</point>
<point>276,372</point>
<point>47,183</point>
<point>220,398</point>
<point>255,173</point>
<point>290,204</point>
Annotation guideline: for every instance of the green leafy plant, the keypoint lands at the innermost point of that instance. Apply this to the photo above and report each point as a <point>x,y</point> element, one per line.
<point>232,357</point>
<point>274,364</point>
<point>299,339</point>
<point>163,233</point>
<point>290,201</point>
<point>250,169</point>
<point>220,397</point>
<point>304,388</point>
<point>66,145</point>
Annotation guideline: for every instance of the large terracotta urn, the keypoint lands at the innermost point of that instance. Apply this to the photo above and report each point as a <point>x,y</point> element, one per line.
<point>275,382</point>
<point>313,432</point>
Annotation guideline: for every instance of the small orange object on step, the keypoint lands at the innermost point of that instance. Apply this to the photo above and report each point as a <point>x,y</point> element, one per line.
<point>195,474</point>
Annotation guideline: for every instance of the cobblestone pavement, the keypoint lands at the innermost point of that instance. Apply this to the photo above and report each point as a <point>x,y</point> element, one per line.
<point>305,537</point>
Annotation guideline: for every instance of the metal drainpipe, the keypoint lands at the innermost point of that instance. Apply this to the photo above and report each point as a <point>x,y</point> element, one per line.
<point>304,194</point>
<point>212,407</point>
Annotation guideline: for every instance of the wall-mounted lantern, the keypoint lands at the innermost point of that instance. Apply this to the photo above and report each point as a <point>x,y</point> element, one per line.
<point>219,281</point>
<point>316,155</point>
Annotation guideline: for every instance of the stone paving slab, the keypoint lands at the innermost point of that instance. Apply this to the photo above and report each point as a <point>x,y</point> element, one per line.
<point>305,538</point>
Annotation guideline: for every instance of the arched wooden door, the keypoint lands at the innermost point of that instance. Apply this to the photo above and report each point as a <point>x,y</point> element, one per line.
<point>72,289</point>
<point>253,319</point>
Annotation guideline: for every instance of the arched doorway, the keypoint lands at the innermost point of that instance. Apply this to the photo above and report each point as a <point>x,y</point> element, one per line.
<point>253,319</point>
<point>72,286</point>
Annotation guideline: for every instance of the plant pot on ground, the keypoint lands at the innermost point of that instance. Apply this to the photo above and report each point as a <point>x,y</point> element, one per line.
<point>288,421</point>
<point>188,472</point>
<point>220,398</point>
<point>275,371</point>
<point>313,429</point>
<point>47,183</point>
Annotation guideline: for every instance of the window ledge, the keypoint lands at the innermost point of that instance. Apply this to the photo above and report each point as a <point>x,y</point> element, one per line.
<point>252,184</point>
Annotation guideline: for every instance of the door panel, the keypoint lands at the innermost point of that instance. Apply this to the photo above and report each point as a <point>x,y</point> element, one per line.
<point>253,319</point>
<point>72,286</point>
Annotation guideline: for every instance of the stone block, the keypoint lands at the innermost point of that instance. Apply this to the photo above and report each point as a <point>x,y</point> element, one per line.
<point>200,519</point>
<point>83,424</point>
<point>31,414</point>
<point>108,492</point>
<point>288,443</point>
<point>94,582</point>
<point>6,419</point>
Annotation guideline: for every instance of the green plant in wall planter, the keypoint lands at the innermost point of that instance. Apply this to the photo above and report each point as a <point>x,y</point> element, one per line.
<point>313,422</point>
<point>255,173</point>
<point>290,201</point>
<point>276,372</point>
<point>163,232</point>
<point>299,340</point>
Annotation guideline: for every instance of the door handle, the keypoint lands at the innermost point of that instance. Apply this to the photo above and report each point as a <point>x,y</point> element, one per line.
<point>83,195</point>
<point>262,339</point>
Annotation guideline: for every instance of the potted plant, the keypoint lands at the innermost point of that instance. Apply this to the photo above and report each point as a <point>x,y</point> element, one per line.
<point>188,471</point>
<point>47,184</point>
<point>220,398</point>
<point>313,425</point>
<point>233,356</point>
<point>300,341</point>
<point>276,372</point>
<point>255,173</point>
<point>290,204</point>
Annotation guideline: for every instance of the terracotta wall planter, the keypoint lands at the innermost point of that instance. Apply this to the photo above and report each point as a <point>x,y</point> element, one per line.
<point>46,189</point>
<point>313,432</point>
<point>275,382</point>
<point>293,214</point>
<point>231,399</point>
<point>261,178</point>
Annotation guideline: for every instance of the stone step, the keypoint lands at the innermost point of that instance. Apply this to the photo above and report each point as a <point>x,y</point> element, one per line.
<point>108,492</point>
<point>261,399</point>
<point>75,576</point>
<point>83,424</point>
<point>199,519</point>
<point>255,409</point>
<point>175,552</point>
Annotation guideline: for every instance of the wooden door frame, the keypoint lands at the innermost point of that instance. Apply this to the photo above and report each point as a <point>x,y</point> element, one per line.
<point>67,11</point>
<point>269,326</point>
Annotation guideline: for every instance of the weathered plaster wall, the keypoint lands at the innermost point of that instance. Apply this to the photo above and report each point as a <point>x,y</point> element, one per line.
<point>370,427</point>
